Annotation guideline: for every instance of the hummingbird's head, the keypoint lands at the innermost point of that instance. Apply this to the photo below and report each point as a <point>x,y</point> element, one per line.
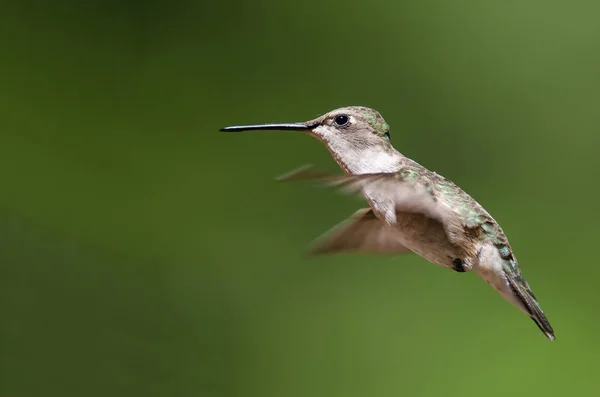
<point>357,125</point>
<point>357,137</point>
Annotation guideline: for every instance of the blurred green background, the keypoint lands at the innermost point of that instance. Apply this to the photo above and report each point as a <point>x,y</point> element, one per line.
<point>143,252</point>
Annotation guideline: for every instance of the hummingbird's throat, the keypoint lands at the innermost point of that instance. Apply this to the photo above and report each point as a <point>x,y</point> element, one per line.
<point>365,159</point>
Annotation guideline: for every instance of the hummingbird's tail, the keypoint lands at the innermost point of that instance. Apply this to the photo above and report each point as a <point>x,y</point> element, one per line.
<point>522,291</point>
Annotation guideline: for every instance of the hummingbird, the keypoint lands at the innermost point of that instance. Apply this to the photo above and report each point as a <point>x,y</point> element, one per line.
<point>411,209</point>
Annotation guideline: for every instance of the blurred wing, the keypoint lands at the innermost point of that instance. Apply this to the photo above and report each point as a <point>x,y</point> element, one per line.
<point>405,188</point>
<point>412,189</point>
<point>362,232</point>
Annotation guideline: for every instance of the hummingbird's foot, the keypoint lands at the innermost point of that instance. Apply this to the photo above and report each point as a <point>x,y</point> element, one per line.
<point>458,265</point>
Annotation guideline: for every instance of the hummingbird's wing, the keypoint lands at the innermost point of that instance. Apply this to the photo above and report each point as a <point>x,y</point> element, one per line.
<point>412,189</point>
<point>362,232</point>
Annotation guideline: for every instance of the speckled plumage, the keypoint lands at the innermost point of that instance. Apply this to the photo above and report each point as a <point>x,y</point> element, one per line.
<point>411,208</point>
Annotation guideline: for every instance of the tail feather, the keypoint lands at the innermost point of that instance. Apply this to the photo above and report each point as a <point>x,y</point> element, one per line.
<point>523,292</point>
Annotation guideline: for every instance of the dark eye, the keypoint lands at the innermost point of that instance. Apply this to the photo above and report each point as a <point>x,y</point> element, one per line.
<point>341,120</point>
<point>387,135</point>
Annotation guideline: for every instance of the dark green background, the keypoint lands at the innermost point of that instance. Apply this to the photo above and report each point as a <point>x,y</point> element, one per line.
<point>143,252</point>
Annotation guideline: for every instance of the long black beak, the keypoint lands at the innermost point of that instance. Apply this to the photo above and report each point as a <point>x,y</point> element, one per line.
<point>281,126</point>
